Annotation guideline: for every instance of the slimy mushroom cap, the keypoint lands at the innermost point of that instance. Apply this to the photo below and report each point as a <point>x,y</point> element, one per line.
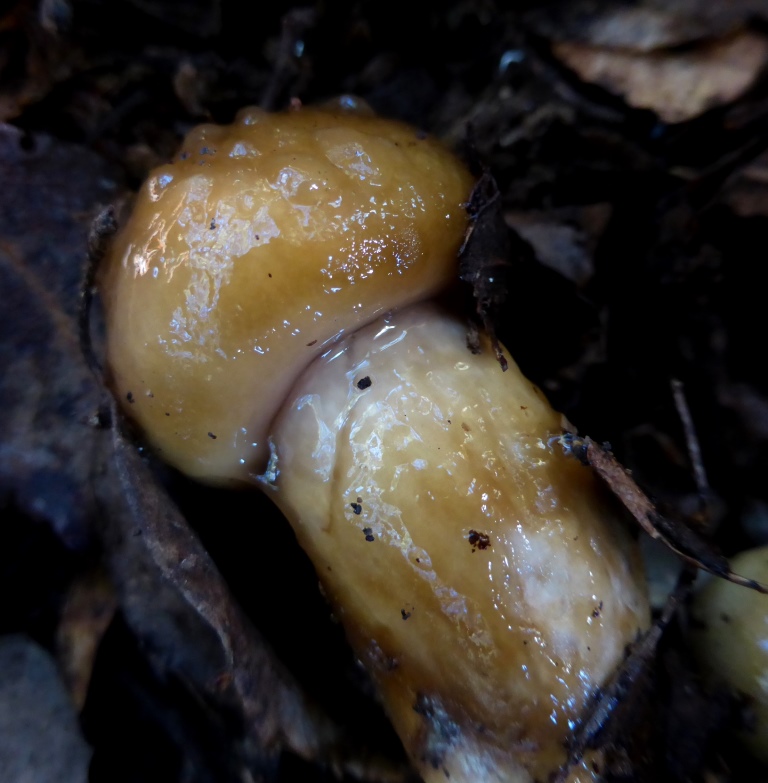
<point>251,252</point>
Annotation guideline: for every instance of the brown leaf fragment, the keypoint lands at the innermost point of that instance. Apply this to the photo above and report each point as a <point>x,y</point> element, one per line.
<point>178,604</point>
<point>484,256</point>
<point>686,543</point>
<point>677,85</point>
<point>643,25</point>
<point>176,600</point>
<point>88,610</point>
<point>563,240</point>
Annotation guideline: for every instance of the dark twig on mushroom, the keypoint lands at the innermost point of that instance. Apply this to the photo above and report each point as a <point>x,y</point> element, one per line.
<point>681,539</point>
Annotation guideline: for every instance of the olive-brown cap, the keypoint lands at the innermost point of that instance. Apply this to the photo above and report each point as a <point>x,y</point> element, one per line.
<point>251,252</point>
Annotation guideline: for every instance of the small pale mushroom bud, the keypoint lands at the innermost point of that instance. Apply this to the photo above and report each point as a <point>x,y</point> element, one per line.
<point>730,633</point>
<point>274,288</point>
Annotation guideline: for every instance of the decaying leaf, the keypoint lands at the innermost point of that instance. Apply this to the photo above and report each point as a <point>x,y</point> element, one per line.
<point>89,608</point>
<point>49,452</point>
<point>33,53</point>
<point>677,85</point>
<point>641,25</point>
<point>485,256</point>
<point>563,240</point>
<point>174,598</point>
<point>176,601</point>
<point>662,279</point>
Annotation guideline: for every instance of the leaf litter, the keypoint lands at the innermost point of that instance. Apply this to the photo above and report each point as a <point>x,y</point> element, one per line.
<point>658,215</point>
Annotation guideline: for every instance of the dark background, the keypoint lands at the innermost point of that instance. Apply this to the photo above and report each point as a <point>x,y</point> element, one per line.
<point>641,218</point>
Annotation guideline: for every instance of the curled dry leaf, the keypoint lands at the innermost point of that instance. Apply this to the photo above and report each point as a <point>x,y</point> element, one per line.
<point>563,240</point>
<point>677,85</point>
<point>641,26</point>
<point>176,600</point>
<point>34,55</point>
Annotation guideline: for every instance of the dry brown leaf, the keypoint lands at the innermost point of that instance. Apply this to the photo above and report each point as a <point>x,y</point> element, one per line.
<point>563,240</point>
<point>747,192</point>
<point>88,610</point>
<point>33,53</point>
<point>677,85</point>
<point>175,599</point>
<point>641,25</point>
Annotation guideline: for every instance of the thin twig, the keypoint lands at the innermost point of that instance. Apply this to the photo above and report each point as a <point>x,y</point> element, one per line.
<point>686,543</point>
<point>694,448</point>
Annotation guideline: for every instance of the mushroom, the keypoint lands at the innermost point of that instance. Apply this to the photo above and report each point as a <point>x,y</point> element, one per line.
<point>274,319</point>
<point>730,635</point>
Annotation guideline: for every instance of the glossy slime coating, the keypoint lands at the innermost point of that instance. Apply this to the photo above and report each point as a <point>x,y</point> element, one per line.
<point>480,575</point>
<point>478,572</point>
<point>731,640</point>
<point>258,245</point>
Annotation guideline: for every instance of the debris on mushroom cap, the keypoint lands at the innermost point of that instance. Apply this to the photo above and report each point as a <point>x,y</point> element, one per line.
<point>730,633</point>
<point>523,585</point>
<point>251,251</point>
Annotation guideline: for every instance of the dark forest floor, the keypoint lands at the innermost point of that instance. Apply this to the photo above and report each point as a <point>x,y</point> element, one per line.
<point>628,141</point>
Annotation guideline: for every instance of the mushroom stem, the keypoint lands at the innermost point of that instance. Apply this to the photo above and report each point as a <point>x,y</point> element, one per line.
<point>482,578</point>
